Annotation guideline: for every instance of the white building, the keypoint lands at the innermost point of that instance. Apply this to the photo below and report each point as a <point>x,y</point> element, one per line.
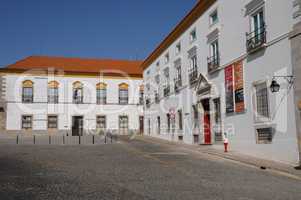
<point>71,96</point>
<point>210,79</point>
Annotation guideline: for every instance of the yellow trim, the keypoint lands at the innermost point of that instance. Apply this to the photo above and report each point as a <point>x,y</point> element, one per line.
<point>53,84</point>
<point>27,84</point>
<point>101,86</point>
<point>123,86</point>
<point>77,85</point>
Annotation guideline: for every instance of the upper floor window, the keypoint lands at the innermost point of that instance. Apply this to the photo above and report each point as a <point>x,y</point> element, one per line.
<point>213,18</point>
<point>123,93</point>
<point>166,58</point>
<point>178,77</point>
<point>193,35</point>
<point>141,95</point>
<point>101,93</point>
<point>53,92</point>
<point>178,48</point>
<point>78,96</point>
<point>256,38</point>
<point>27,91</point>
<point>213,59</point>
<point>193,69</point>
<point>157,79</point>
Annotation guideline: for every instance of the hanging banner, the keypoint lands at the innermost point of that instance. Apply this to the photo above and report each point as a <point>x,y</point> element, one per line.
<point>239,87</point>
<point>229,89</point>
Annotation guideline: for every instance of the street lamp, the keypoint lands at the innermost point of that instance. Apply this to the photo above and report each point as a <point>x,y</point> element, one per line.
<point>275,86</point>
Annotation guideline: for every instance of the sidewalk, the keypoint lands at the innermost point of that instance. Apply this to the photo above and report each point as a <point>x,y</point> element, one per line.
<point>233,156</point>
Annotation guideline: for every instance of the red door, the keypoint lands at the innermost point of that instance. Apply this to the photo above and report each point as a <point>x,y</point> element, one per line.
<point>207,129</point>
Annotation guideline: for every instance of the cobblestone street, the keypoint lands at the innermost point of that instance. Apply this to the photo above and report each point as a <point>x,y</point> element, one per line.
<point>133,169</point>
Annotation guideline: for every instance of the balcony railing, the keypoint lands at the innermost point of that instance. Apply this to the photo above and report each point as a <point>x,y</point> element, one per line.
<point>101,101</point>
<point>157,98</point>
<point>53,99</point>
<point>148,103</point>
<point>178,84</point>
<point>78,99</point>
<point>27,98</point>
<point>213,63</point>
<point>141,101</point>
<point>123,100</point>
<point>166,90</point>
<point>256,39</point>
<point>193,76</point>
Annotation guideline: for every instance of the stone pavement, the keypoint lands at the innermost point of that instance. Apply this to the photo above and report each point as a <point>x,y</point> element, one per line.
<point>232,156</point>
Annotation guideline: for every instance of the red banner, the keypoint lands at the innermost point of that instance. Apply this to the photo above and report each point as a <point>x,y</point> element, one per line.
<point>229,89</point>
<point>239,87</point>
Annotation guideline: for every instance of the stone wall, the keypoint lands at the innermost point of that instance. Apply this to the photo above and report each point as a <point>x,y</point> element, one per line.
<point>295,37</point>
<point>2,103</point>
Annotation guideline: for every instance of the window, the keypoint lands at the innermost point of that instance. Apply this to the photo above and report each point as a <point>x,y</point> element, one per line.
<point>213,60</point>
<point>27,91</point>
<point>166,58</point>
<point>166,86</point>
<point>193,35</point>
<point>53,92</point>
<point>52,122</point>
<point>262,101</point>
<point>178,48</point>
<point>123,94</point>
<point>141,95</point>
<point>26,122</point>
<point>178,78</point>
<point>193,70</point>
<point>78,97</point>
<point>157,79</point>
<point>217,118</point>
<point>123,123</point>
<point>257,36</point>
<point>214,17</point>
<point>101,122</point>
<point>158,64</point>
<point>101,93</point>
<point>180,120</point>
<point>264,135</point>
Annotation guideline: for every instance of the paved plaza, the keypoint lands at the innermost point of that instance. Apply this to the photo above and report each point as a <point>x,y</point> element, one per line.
<point>133,169</point>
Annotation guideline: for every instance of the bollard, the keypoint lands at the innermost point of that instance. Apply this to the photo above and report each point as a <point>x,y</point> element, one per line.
<point>105,139</point>
<point>79,139</point>
<point>17,139</point>
<point>34,139</point>
<point>93,139</point>
<point>49,139</point>
<point>111,139</point>
<point>63,139</point>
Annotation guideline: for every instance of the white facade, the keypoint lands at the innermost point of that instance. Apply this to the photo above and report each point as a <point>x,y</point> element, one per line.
<point>65,109</point>
<point>235,19</point>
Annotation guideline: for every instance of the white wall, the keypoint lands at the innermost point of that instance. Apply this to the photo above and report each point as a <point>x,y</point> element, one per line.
<point>66,109</point>
<point>274,60</point>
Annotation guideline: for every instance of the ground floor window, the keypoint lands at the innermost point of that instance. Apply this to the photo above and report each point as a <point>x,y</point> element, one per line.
<point>52,122</point>
<point>101,122</point>
<point>264,135</point>
<point>262,101</point>
<point>123,123</point>
<point>26,122</point>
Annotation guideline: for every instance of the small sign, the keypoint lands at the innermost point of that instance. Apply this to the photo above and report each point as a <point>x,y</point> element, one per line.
<point>299,105</point>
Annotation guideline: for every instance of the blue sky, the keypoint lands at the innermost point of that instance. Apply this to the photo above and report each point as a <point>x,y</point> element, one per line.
<point>124,29</point>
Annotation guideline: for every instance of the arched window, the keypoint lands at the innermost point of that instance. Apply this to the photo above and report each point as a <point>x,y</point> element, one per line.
<point>123,93</point>
<point>78,97</point>
<point>101,93</point>
<point>53,92</point>
<point>27,91</point>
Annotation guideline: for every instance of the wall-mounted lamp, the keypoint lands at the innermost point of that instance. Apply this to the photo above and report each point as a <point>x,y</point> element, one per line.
<point>275,86</point>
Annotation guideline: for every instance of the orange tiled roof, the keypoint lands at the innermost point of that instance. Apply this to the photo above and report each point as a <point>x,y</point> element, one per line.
<point>79,65</point>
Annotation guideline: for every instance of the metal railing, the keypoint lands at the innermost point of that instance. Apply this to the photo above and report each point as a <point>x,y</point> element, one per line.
<point>123,100</point>
<point>27,98</point>
<point>53,99</point>
<point>193,76</point>
<point>101,101</point>
<point>157,98</point>
<point>178,84</point>
<point>166,90</point>
<point>256,39</point>
<point>213,63</point>
<point>148,103</point>
<point>78,99</point>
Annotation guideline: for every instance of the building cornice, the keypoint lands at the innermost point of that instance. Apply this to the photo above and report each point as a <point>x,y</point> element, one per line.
<point>188,20</point>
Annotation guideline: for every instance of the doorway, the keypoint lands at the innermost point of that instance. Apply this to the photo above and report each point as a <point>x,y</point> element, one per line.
<point>207,121</point>
<point>77,125</point>
<point>141,124</point>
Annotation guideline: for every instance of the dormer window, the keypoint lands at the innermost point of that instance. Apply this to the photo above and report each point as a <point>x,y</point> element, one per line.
<point>166,58</point>
<point>178,48</point>
<point>193,35</point>
<point>213,18</point>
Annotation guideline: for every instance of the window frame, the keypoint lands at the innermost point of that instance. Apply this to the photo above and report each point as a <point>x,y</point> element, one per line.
<point>31,122</point>
<point>56,125</point>
<point>260,118</point>
<point>103,120</point>
<point>211,21</point>
<point>193,35</point>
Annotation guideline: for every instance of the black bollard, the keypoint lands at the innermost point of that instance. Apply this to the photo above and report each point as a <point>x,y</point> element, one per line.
<point>34,139</point>
<point>17,139</point>
<point>49,139</point>
<point>93,139</point>
<point>63,139</point>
